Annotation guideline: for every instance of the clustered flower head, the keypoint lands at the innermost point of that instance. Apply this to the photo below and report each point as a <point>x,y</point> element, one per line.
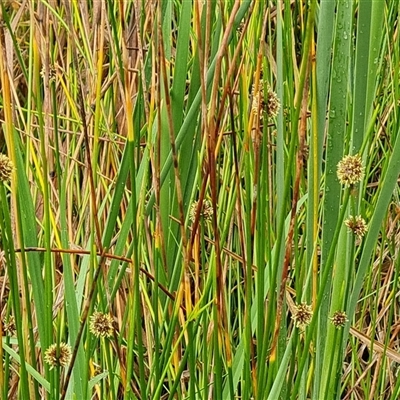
<point>101,324</point>
<point>9,327</point>
<point>6,168</point>
<point>51,75</point>
<point>58,355</point>
<point>339,319</point>
<point>206,212</point>
<point>271,102</point>
<point>350,170</point>
<point>302,315</point>
<point>357,225</point>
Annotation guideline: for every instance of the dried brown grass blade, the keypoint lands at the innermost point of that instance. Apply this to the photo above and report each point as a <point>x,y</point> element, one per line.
<point>376,346</point>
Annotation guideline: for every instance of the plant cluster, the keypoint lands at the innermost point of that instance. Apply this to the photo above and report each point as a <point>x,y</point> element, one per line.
<point>199,199</point>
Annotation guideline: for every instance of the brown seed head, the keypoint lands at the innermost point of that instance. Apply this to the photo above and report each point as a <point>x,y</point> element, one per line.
<point>357,225</point>
<point>58,355</point>
<point>6,168</point>
<point>302,315</point>
<point>9,327</point>
<point>273,104</point>
<point>206,212</point>
<point>101,324</point>
<point>339,319</point>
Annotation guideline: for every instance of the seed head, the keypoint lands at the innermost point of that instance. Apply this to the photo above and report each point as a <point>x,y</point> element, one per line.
<point>206,212</point>
<point>273,104</point>
<point>101,324</point>
<point>6,168</point>
<point>339,319</point>
<point>9,327</point>
<point>52,73</point>
<point>270,103</point>
<point>357,225</point>
<point>302,315</point>
<point>350,170</point>
<point>58,355</point>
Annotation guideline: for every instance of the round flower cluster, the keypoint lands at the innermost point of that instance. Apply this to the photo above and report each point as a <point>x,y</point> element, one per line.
<point>9,327</point>
<point>101,324</point>
<point>339,319</point>
<point>270,103</point>
<point>302,315</point>
<point>6,168</point>
<point>350,170</point>
<point>206,212</point>
<point>357,225</point>
<point>273,104</point>
<point>58,355</point>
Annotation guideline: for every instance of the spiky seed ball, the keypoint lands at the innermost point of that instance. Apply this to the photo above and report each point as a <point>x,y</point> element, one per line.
<point>101,324</point>
<point>350,170</point>
<point>273,104</point>
<point>6,168</point>
<point>357,225</point>
<point>339,319</point>
<point>58,355</point>
<point>9,327</point>
<point>302,315</point>
<point>206,212</point>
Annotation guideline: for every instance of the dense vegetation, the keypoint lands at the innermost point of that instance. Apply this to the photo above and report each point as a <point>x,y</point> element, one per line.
<point>200,199</point>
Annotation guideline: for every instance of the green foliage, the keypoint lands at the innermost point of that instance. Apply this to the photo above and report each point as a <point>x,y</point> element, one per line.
<point>175,176</point>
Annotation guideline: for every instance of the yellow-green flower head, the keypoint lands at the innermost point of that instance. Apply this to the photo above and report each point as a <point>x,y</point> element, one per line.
<point>9,327</point>
<point>6,168</point>
<point>206,212</point>
<point>350,170</point>
<point>58,355</point>
<point>270,102</point>
<point>339,319</point>
<point>101,324</point>
<point>273,104</point>
<point>302,315</point>
<point>357,225</point>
